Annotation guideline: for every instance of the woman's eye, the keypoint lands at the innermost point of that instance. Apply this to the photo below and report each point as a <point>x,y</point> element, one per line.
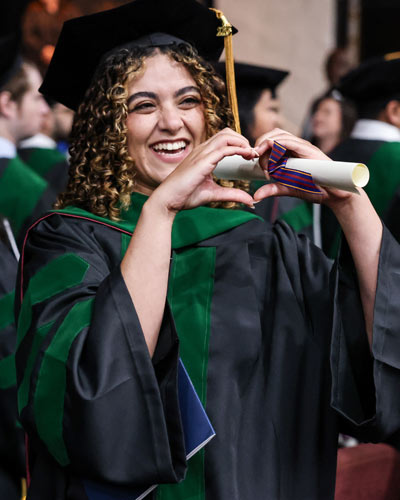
<point>144,107</point>
<point>189,102</point>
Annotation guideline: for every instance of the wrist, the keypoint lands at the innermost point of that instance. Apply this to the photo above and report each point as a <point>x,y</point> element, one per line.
<point>157,209</point>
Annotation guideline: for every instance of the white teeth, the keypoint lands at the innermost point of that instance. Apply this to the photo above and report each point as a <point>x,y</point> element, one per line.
<point>169,146</point>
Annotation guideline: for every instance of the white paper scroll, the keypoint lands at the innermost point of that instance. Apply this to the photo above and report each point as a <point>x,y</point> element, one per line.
<point>337,174</point>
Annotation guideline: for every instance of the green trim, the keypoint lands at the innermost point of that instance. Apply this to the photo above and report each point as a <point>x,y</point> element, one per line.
<point>333,251</point>
<point>58,275</point>
<point>23,390</point>
<point>384,167</point>
<point>20,190</point>
<point>7,310</point>
<point>42,160</point>
<point>190,226</point>
<point>192,282</point>
<point>8,375</point>
<point>300,217</point>
<point>51,383</point>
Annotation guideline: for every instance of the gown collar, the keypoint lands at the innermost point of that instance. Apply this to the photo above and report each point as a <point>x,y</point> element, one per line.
<point>190,226</point>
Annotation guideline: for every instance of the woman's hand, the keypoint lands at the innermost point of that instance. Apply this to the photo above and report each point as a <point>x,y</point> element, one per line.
<point>191,184</point>
<point>298,148</point>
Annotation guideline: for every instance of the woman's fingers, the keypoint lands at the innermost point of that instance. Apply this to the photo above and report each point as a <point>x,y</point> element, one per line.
<point>295,145</point>
<point>276,189</point>
<point>219,193</point>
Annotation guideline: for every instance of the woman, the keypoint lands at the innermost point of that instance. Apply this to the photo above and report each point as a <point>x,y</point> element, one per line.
<point>332,121</point>
<point>103,311</point>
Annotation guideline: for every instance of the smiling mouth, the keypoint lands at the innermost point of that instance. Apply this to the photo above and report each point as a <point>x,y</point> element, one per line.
<point>169,148</point>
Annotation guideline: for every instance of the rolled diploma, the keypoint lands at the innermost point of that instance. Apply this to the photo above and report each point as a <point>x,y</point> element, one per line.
<point>337,174</point>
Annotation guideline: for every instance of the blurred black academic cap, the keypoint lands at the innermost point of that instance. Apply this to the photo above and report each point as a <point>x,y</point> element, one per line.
<point>84,41</point>
<point>374,82</point>
<point>11,12</point>
<point>252,77</point>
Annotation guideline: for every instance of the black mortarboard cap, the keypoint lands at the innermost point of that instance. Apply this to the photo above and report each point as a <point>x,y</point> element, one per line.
<point>84,41</point>
<point>250,76</point>
<point>376,79</point>
<point>10,38</point>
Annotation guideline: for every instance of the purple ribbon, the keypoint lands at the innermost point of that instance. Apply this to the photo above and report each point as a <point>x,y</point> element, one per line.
<point>296,179</point>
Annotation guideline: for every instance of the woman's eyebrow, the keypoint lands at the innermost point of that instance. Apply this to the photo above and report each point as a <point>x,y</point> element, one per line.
<point>184,90</point>
<point>150,95</point>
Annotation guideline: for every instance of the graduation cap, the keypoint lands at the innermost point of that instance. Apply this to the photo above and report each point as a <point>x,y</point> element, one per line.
<point>10,57</point>
<point>375,80</point>
<point>10,38</point>
<point>252,77</point>
<point>85,41</point>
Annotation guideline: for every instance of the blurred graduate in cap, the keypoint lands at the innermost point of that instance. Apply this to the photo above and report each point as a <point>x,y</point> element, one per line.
<point>135,269</point>
<point>47,151</point>
<point>259,112</point>
<point>374,87</point>
<point>18,193</point>
<point>24,194</point>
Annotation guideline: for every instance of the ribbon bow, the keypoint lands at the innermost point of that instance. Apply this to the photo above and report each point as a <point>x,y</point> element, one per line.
<point>296,179</point>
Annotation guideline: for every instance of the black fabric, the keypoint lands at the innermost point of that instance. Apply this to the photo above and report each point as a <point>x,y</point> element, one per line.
<point>275,324</point>
<point>377,78</point>
<point>12,457</point>
<point>56,176</point>
<point>43,204</point>
<point>114,340</point>
<point>253,77</point>
<point>392,218</point>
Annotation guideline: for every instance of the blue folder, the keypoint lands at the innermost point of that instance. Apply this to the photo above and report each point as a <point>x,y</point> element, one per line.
<point>197,431</point>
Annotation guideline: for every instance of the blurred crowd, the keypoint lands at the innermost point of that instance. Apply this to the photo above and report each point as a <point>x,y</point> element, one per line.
<point>356,118</point>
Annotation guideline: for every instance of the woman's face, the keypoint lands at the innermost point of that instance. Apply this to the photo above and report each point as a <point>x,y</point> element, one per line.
<point>266,115</point>
<point>165,120</point>
<point>327,119</point>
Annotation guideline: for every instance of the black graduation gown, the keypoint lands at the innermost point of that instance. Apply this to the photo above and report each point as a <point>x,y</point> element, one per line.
<point>24,195</point>
<point>49,163</point>
<point>12,456</point>
<point>272,337</point>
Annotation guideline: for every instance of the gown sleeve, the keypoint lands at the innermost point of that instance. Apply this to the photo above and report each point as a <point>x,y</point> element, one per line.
<point>88,392</point>
<point>365,384</point>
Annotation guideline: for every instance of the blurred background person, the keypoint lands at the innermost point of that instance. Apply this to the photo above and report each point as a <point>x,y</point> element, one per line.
<point>260,112</point>
<point>374,87</point>
<point>338,62</point>
<point>332,121</point>
<point>47,152</point>
<point>12,454</point>
<point>24,194</point>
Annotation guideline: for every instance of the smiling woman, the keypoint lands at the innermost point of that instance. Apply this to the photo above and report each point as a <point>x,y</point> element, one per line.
<point>135,270</point>
<point>165,120</point>
<point>159,96</point>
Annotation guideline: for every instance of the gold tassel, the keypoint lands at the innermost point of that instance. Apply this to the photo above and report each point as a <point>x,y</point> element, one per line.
<point>23,489</point>
<point>226,31</point>
<point>392,56</point>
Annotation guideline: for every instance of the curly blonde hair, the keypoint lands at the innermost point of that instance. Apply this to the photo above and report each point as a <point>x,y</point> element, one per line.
<point>102,173</point>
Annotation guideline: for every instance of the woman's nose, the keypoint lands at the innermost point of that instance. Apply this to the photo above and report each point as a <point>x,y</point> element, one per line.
<point>170,119</point>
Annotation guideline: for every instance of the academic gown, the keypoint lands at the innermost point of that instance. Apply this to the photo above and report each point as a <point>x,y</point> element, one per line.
<point>383,160</point>
<point>49,163</point>
<point>12,456</point>
<point>295,212</point>
<point>24,195</point>
<point>273,339</point>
